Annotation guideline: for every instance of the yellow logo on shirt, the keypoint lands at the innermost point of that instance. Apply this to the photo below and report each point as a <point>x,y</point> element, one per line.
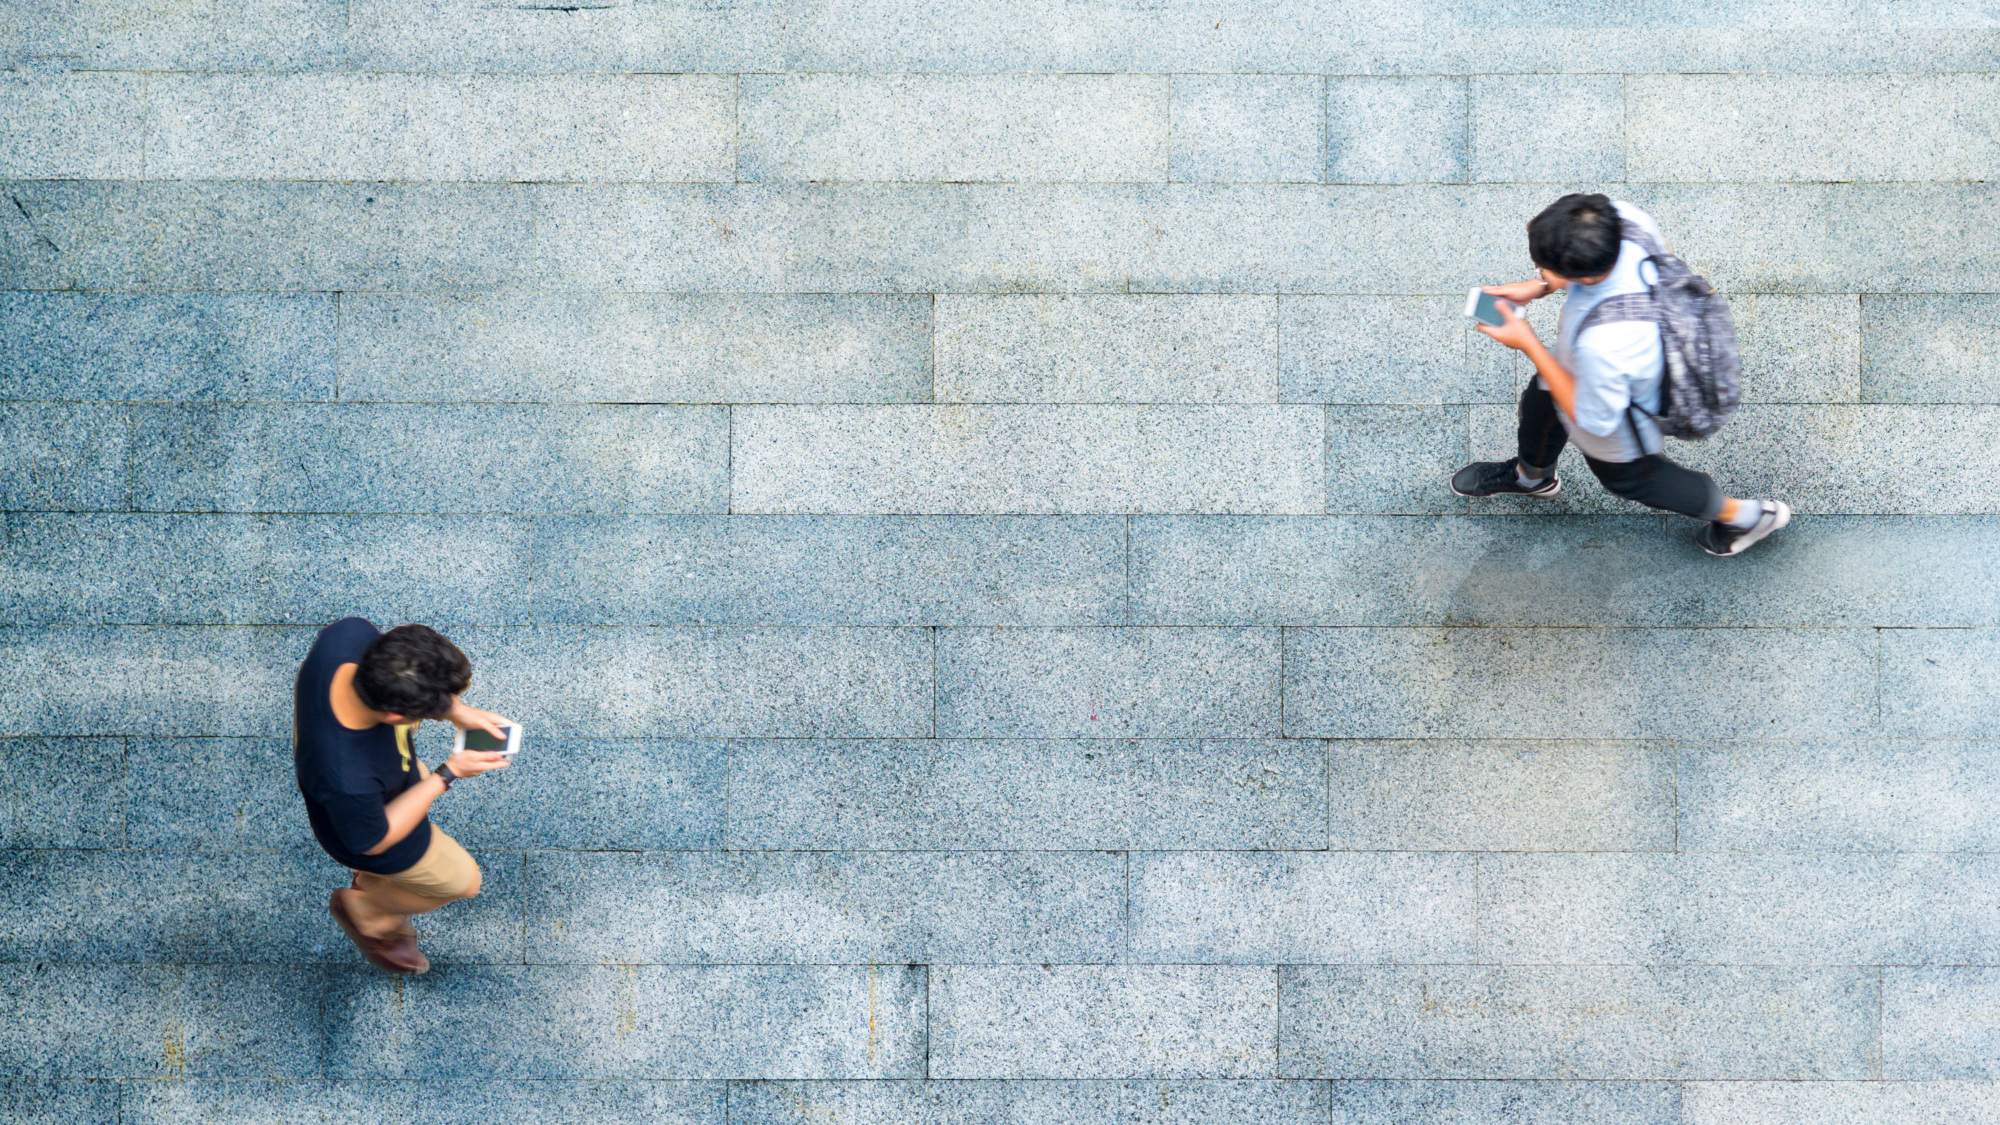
<point>403,744</point>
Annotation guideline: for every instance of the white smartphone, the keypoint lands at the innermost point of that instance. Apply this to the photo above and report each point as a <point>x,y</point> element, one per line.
<point>1484,307</point>
<point>480,740</point>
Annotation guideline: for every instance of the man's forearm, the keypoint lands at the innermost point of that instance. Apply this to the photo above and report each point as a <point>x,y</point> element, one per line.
<point>1561,384</point>
<point>407,811</point>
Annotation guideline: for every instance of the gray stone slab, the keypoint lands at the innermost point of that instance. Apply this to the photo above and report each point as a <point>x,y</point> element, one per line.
<point>242,569</point>
<point>1041,1102</point>
<point>321,126</point>
<point>1930,347</point>
<point>1501,796</point>
<point>214,794</point>
<point>1374,350</point>
<point>1608,1022</point>
<point>1514,1103</point>
<point>1025,459</point>
<point>1824,909</point>
<point>58,1103</point>
<point>1579,683</point>
<point>446,1101</point>
<point>1936,683</point>
<point>929,127</point>
<point>1849,1103</point>
<point>158,680</point>
<point>62,457</point>
<point>1545,128</point>
<point>1029,793</point>
<point>635,348</point>
<point>1600,570</point>
<point>448,458</point>
<point>1103,1021</point>
<point>1394,459</point>
<point>1800,347</point>
<point>159,1021</point>
<point>1107,349</point>
<point>1838,796</point>
<point>1778,128</point>
<point>1310,908</point>
<point>825,907</point>
<point>1107,683</point>
<point>1396,129</point>
<point>630,1021</point>
<point>1939,1023</point>
<point>1248,128</point>
<point>830,570</point>
<point>62,793</point>
<point>241,908</point>
<point>72,126</point>
<point>122,35</point>
<point>593,793</point>
<point>750,683</point>
<point>187,346</point>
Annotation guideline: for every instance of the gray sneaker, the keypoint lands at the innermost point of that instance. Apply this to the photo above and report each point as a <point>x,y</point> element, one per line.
<point>1498,478</point>
<point>1722,540</point>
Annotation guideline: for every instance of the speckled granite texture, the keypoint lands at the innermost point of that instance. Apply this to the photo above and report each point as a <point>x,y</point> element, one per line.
<point>956,491</point>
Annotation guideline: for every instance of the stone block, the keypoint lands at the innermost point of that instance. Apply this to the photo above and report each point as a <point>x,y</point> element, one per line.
<point>830,570</point>
<point>1105,349</point>
<point>1800,347</point>
<point>443,1101</point>
<point>1248,128</point>
<point>1293,908</point>
<point>58,456</point>
<point>1546,128</point>
<point>626,348</point>
<point>460,127</point>
<point>1751,128</point>
<point>1394,459</point>
<point>213,794</point>
<point>1940,1023</point>
<point>1630,1022</point>
<point>514,459</point>
<point>159,1021</point>
<point>1107,683</point>
<point>1513,1102</point>
<point>1026,459</point>
<point>591,794</point>
<point>1373,350</point>
<point>1937,683</point>
<point>1849,1103</point>
<point>80,126</point>
<point>696,683</point>
<point>167,346</point>
<point>62,792</point>
<point>124,35</point>
<point>825,907</point>
<point>149,680</point>
<point>1930,347</point>
<point>1502,796</point>
<point>1396,129</point>
<point>1008,128</point>
<point>1103,1021</point>
<point>1838,797</point>
<point>1040,1102</point>
<point>58,1103</point>
<point>1153,794</point>
<point>630,1021</point>
<point>1508,683</point>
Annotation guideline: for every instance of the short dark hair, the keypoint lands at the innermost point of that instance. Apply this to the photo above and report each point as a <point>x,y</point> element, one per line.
<point>1576,236</point>
<point>411,671</point>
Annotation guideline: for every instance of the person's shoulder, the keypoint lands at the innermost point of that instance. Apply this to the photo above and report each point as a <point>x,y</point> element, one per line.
<point>346,638</point>
<point>1632,214</point>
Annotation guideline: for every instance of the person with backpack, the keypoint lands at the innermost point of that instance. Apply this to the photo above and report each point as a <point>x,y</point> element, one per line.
<point>1644,350</point>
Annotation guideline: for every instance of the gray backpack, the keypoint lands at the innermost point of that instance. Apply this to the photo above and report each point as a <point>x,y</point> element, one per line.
<point>1702,382</point>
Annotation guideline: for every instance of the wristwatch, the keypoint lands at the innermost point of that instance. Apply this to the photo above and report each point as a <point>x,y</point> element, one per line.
<point>443,773</point>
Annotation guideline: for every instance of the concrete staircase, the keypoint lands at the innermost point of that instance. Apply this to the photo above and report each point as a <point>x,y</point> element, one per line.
<point>956,493</point>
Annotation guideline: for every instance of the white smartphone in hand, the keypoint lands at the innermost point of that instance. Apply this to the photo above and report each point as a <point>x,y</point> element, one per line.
<point>480,740</point>
<point>1484,307</point>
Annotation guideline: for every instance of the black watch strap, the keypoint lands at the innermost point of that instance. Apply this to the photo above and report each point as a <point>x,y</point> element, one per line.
<point>444,774</point>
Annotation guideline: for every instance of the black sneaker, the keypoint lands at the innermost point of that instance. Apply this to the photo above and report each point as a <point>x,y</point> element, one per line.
<point>1722,540</point>
<point>1497,478</point>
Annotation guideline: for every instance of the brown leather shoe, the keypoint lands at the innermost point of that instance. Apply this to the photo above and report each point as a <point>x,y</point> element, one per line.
<point>397,953</point>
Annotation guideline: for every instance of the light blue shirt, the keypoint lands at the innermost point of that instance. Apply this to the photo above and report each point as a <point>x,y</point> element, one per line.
<point>1615,364</point>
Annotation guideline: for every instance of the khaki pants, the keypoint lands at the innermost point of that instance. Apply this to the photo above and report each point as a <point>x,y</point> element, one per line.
<point>446,870</point>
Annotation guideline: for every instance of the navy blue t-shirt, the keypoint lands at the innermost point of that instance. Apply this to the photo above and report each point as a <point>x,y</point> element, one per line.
<point>348,776</point>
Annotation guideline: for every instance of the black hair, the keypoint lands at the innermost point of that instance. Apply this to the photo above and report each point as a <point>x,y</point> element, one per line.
<point>1577,236</point>
<point>411,671</point>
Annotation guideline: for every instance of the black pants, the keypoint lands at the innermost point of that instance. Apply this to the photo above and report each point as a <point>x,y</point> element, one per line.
<point>1652,480</point>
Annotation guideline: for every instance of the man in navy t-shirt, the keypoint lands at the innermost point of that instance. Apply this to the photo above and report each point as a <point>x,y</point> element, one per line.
<point>359,697</point>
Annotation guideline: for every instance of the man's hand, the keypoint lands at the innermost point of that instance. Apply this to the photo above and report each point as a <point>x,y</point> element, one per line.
<point>472,718</point>
<point>1517,333</point>
<point>1521,292</point>
<point>471,763</point>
